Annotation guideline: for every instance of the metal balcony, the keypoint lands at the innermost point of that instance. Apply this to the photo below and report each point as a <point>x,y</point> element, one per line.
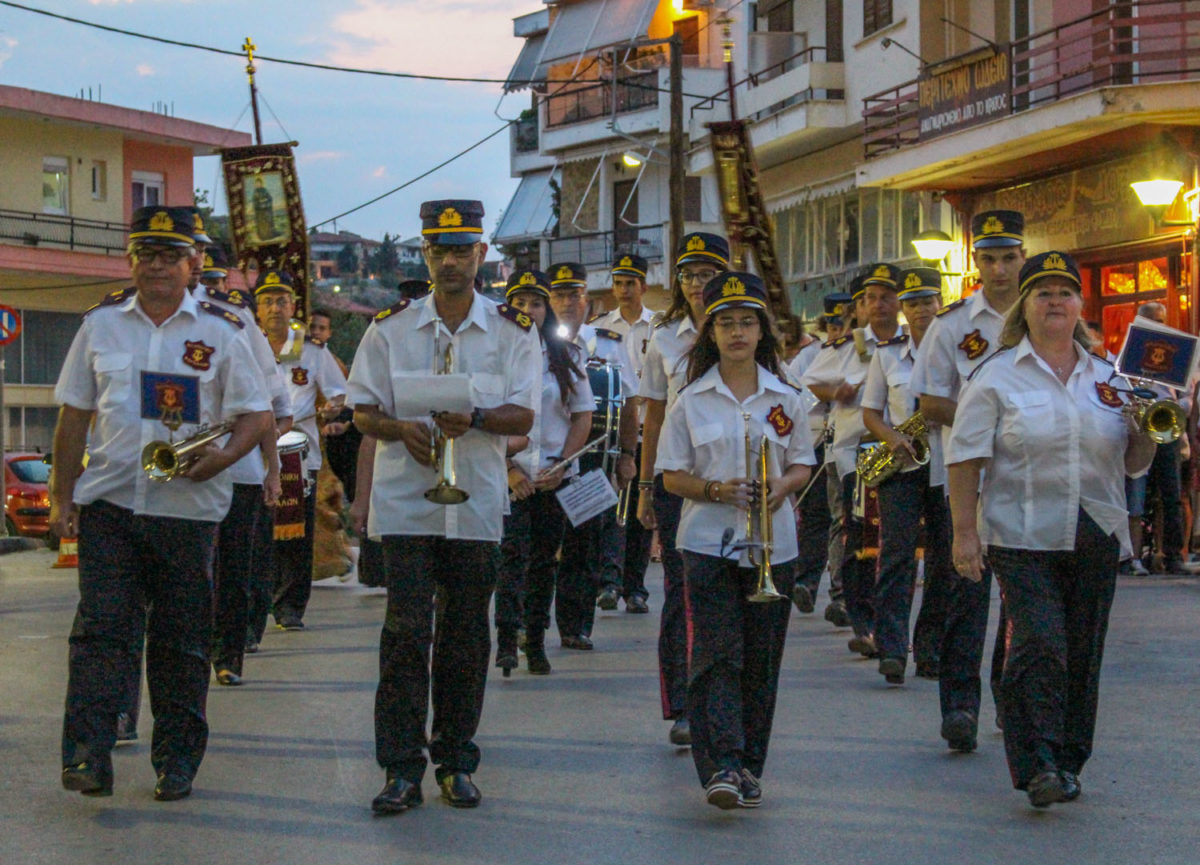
<point>82,235</point>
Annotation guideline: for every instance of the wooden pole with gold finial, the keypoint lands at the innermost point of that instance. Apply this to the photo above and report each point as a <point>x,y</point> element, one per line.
<point>248,46</point>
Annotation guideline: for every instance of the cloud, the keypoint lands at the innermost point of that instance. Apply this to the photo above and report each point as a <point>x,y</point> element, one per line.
<point>145,69</point>
<point>319,156</point>
<point>7,44</point>
<point>425,38</point>
<point>380,172</point>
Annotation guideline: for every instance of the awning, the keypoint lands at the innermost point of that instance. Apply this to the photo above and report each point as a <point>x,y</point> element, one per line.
<point>523,70</point>
<point>530,214</point>
<point>589,25</point>
<point>837,186</point>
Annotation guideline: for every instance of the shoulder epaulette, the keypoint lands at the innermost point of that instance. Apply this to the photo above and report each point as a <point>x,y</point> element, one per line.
<point>230,317</point>
<point>1104,360</point>
<point>114,297</point>
<point>839,342</point>
<point>608,334</point>
<point>312,340</point>
<point>898,339</point>
<point>991,357</point>
<point>514,315</point>
<point>955,305</point>
<point>398,306</point>
<point>597,317</point>
<point>225,297</point>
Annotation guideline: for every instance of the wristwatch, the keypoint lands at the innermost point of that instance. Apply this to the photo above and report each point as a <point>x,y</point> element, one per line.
<point>477,418</point>
<point>626,452</point>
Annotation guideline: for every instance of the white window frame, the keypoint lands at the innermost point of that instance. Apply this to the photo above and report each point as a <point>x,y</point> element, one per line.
<point>60,165</point>
<point>148,180</point>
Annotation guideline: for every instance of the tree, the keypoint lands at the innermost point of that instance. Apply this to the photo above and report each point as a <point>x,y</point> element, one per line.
<point>347,261</point>
<point>385,263</point>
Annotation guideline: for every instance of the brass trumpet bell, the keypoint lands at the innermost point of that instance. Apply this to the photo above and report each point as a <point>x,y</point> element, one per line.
<point>162,461</point>
<point>1163,421</point>
<point>444,492</point>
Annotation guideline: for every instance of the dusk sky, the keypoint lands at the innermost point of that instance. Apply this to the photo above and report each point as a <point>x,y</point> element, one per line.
<point>359,135</point>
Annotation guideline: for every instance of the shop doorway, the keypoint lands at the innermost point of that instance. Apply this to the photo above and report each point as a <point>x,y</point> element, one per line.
<point>1116,290</point>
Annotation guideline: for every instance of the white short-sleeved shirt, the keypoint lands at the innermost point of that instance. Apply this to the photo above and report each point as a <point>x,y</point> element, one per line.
<point>635,337</point>
<point>839,362</point>
<point>1052,448</point>
<point>603,346</point>
<point>196,367</point>
<point>887,390</point>
<point>250,469</point>
<point>704,434</point>
<point>963,335</point>
<point>314,370</point>
<point>665,369</point>
<point>503,359</point>
<point>552,420</point>
<point>818,412</point>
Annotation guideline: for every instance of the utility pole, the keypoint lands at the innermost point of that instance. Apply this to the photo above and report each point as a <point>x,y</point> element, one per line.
<point>678,170</point>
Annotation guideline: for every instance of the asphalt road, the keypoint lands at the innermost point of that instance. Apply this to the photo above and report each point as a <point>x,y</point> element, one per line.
<point>576,767</point>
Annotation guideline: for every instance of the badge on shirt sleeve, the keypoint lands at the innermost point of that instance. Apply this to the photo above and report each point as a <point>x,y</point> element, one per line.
<point>778,418</point>
<point>973,344</point>
<point>299,376</point>
<point>197,355</point>
<point>1108,395</point>
<point>172,399</point>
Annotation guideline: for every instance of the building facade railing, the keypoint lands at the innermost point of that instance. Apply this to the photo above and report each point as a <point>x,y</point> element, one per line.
<point>600,248</point>
<point>593,101</point>
<point>781,67</point>
<point>1131,42</point>
<point>84,235</point>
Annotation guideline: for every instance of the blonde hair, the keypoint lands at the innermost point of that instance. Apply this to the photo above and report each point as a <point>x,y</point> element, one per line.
<point>1016,327</point>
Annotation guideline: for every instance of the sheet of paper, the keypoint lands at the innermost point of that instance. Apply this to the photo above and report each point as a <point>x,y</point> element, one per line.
<point>417,396</point>
<point>586,496</point>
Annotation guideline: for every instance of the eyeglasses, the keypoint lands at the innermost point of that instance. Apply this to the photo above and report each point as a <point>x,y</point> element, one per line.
<point>272,300</point>
<point>438,250</point>
<point>168,255</point>
<point>701,276</point>
<point>728,322</point>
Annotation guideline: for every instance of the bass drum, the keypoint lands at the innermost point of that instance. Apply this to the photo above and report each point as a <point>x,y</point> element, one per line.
<point>605,380</point>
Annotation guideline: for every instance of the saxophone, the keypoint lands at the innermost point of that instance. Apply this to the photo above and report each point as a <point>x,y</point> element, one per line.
<point>881,462</point>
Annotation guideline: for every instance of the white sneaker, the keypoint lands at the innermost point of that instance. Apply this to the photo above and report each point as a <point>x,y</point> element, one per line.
<point>1139,570</point>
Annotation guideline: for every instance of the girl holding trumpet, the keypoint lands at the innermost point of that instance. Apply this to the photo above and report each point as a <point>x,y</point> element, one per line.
<point>734,406</point>
<point>534,529</point>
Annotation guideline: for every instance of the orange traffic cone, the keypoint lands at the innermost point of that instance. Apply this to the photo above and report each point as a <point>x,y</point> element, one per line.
<point>68,553</point>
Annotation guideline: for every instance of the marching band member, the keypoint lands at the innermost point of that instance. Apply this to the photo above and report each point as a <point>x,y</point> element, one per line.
<point>906,497</point>
<point>837,377</point>
<point>736,645</point>
<point>699,259</point>
<point>533,530</point>
<point>579,569</point>
<point>625,550</point>
<point>148,361</point>
<point>961,337</point>
<point>1043,421</point>
<point>306,366</point>
<point>428,548</point>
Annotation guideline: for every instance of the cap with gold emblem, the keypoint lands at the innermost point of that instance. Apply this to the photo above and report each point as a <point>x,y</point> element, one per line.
<point>273,280</point>
<point>918,282</point>
<point>630,264</point>
<point>857,289</point>
<point>216,266</point>
<point>528,280</point>
<point>835,305</point>
<point>997,228</point>
<point>454,222</point>
<point>882,274</point>
<point>702,247</point>
<point>198,233</point>
<point>733,289</point>
<point>164,226</point>
<point>1051,263</point>
<point>568,274</point>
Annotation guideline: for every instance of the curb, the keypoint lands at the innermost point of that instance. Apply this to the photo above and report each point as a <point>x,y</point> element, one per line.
<point>20,545</point>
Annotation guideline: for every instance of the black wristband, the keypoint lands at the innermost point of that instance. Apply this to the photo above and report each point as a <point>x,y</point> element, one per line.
<point>626,452</point>
<point>476,418</point>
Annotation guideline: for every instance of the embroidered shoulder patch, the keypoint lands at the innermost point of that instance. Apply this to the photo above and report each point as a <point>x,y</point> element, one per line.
<point>515,316</point>
<point>778,418</point>
<point>399,306</point>
<point>1108,395</point>
<point>230,317</point>
<point>949,307</point>
<point>973,345</point>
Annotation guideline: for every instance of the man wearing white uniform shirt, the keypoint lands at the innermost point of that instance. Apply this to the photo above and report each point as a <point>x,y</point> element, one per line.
<point>625,550</point>
<point>430,547</point>
<point>306,366</point>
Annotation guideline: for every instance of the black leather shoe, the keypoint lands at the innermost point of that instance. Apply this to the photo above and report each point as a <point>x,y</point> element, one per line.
<point>607,599</point>
<point>681,732</point>
<point>1070,784</point>
<point>863,644</point>
<point>580,643</point>
<point>959,729</point>
<point>1046,789</point>
<point>459,790</point>
<point>836,615</point>
<point>724,789</point>
<point>751,790</point>
<point>91,777</point>
<point>289,622</point>
<point>398,794</point>
<point>636,605</point>
<point>803,599</point>
<point>172,786</point>
<point>892,669</point>
<point>535,657</point>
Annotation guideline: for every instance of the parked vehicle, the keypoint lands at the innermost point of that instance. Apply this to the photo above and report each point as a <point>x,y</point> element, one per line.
<point>26,495</point>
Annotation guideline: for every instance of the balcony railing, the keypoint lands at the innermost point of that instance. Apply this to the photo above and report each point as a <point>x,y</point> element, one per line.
<point>762,76</point>
<point>592,101</point>
<point>1134,42</point>
<point>600,248</point>
<point>525,134</point>
<point>84,235</point>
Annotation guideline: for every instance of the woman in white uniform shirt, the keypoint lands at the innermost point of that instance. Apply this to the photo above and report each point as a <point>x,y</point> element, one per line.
<point>1046,419</point>
<point>534,529</point>
<point>736,645</point>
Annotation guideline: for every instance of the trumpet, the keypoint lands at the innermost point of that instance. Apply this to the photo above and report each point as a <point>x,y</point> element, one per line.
<point>624,496</point>
<point>881,462</point>
<point>162,460</point>
<point>441,448</point>
<point>760,534</point>
<point>1162,420</point>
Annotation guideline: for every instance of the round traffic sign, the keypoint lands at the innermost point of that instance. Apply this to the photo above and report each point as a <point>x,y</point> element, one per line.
<point>10,324</point>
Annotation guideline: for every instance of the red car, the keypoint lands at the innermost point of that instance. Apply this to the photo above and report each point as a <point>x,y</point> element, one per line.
<point>26,495</point>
